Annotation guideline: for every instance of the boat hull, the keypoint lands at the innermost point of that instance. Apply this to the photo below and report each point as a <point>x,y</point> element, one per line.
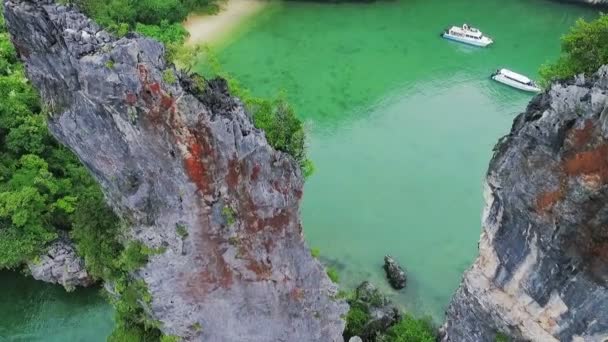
<point>514,84</point>
<point>485,41</point>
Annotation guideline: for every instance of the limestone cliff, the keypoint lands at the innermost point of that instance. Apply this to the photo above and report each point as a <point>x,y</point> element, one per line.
<point>183,164</point>
<point>542,270</point>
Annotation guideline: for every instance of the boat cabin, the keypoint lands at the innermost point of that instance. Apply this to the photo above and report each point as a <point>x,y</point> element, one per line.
<point>516,77</point>
<point>466,31</point>
<point>468,35</point>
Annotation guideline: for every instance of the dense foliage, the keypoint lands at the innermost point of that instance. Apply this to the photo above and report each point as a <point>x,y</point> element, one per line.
<point>362,319</point>
<point>150,12</point>
<point>410,329</point>
<point>130,295</point>
<point>356,318</point>
<point>584,50</point>
<point>44,190</point>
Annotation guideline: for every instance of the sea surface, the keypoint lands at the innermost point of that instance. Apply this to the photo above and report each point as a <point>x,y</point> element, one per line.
<point>401,125</point>
<point>35,311</point>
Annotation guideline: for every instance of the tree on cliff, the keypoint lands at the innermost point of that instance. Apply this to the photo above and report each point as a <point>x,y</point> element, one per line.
<point>150,12</point>
<point>584,50</point>
<point>43,187</point>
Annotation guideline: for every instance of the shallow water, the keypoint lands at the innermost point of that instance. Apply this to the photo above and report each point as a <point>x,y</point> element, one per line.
<point>402,125</point>
<point>32,311</point>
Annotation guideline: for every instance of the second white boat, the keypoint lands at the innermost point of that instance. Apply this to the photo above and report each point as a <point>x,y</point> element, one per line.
<point>515,80</point>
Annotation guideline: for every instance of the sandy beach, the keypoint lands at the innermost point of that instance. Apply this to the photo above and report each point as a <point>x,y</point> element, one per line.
<point>208,28</point>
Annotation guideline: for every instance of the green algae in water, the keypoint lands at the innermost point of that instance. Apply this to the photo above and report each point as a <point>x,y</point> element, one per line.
<point>33,311</point>
<point>402,123</point>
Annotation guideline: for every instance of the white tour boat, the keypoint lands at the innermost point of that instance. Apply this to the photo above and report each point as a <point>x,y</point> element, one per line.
<point>515,80</point>
<point>468,35</point>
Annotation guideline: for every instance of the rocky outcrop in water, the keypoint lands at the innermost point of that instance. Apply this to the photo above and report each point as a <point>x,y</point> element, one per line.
<point>394,272</point>
<point>180,160</point>
<point>542,270</point>
<point>61,265</point>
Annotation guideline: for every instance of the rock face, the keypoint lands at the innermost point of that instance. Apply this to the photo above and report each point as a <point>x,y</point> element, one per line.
<point>589,2</point>
<point>61,265</point>
<point>542,270</point>
<point>181,161</point>
<point>395,273</point>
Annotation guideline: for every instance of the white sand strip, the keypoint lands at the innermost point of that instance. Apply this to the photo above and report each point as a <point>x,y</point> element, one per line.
<point>208,28</point>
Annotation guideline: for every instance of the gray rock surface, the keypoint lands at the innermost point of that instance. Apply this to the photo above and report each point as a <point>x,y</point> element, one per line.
<point>175,156</point>
<point>394,272</point>
<point>589,2</point>
<point>61,265</point>
<point>542,270</point>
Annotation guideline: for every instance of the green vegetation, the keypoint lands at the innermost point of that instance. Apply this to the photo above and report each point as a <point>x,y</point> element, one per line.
<point>149,12</point>
<point>158,19</point>
<point>229,215</point>
<point>134,256</point>
<point>169,76</point>
<point>284,130</point>
<point>315,252</point>
<point>170,339</point>
<point>164,32</point>
<point>130,295</point>
<point>355,320</point>
<point>173,35</point>
<point>333,274</point>
<point>500,337</point>
<point>96,230</point>
<point>43,187</point>
<point>347,295</point>
<point>181,230</point>
<point>410,329</point>
<point>584,50</point>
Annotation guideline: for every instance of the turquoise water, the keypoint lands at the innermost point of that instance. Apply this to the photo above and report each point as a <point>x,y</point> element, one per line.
<point>33,311</point>
<point>401,123</point>
<point>401,126</point>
